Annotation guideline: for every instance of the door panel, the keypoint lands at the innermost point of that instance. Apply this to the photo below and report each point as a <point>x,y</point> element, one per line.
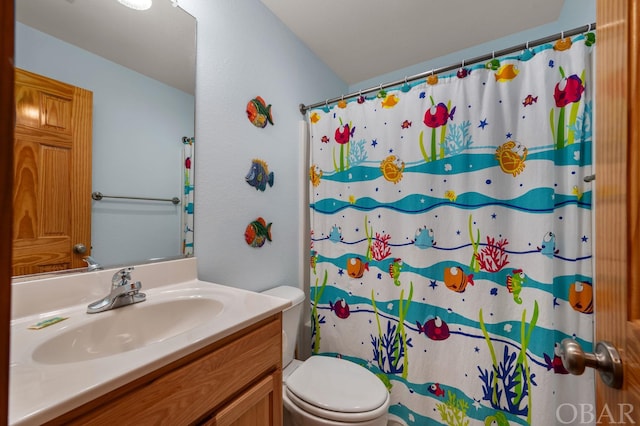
<point>617,271</point>
<point>6,181</point>
<point>52,180</point>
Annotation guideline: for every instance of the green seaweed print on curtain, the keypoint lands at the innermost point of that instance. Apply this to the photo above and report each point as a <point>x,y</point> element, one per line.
<point>342,135</point>
<point>506,385</point>
<point>436,118</point>
<point>390,348</point>
<point>567,94</point>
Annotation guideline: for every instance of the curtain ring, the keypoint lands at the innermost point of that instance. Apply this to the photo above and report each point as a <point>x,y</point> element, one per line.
<point>527,45</point>
<point>589,29</point>
<point>463,63</point>
<point>562,35</point>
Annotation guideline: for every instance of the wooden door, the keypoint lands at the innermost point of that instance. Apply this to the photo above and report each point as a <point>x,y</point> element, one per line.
<point>52,180</point>
<point>617,206</point>
<point>6,181</point>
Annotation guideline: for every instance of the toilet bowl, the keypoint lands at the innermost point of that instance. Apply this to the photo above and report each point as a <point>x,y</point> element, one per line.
<point>331,391</point>
<point>323,390</point>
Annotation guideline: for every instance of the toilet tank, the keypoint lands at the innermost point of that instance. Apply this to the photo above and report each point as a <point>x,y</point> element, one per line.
<point>290,319</point>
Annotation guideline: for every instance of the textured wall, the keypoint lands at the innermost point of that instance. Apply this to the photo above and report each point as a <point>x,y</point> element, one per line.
<point>245,51</point>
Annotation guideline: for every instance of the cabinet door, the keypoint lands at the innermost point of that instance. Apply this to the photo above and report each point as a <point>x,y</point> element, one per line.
<point>260,405</point>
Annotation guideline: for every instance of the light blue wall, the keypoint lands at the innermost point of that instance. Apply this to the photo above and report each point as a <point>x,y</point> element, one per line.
<point>243,51</point>
<point>138,125</point>
<point>574,14</point>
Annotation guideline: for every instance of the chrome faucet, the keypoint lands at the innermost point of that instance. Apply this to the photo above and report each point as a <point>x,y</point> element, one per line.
<point>123,292</point>
<point>92,265</point>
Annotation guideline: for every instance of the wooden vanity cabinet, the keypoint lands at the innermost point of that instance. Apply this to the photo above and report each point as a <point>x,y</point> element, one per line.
<point>236,381</point>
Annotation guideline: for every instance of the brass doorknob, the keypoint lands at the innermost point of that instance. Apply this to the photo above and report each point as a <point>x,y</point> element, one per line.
<point>80,248</point>
<point>605,359</point>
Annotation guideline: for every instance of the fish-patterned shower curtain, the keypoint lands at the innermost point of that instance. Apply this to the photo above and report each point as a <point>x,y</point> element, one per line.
<point>451,238</point>
<point>188,160</point>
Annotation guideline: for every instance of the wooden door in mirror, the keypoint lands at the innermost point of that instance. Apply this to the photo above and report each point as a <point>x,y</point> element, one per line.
<point>52,181</point>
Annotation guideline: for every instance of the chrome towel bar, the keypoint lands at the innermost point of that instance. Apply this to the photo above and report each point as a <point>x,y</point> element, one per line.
<point>99,196</point>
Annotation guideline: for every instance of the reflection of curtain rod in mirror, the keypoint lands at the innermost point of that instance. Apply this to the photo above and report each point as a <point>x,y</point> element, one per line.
<point>99,196</point>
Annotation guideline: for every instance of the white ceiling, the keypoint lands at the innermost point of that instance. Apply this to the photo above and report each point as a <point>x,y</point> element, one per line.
<point>159,42</point>
<point>363,39</point>
<point>357,39</point>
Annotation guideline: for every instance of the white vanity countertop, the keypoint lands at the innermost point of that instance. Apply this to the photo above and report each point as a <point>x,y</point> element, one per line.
<point>40,391</point>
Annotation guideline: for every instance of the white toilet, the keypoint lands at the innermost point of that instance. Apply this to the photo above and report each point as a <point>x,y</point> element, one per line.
<point>323,390</point>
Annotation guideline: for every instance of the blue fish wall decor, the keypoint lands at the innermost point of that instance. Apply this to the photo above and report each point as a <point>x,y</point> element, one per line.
<point>259,175</point>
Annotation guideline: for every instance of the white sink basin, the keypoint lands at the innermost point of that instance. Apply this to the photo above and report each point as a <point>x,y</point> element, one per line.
<point>127,328</point>
<point>69,363</point>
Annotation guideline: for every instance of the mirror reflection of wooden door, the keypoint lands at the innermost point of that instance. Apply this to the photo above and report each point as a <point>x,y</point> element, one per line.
<point>52,180</point>
<point>617,203</point>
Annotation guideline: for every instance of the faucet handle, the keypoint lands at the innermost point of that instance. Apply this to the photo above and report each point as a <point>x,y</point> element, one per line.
<point>122,277</point>
<point>92,265</point>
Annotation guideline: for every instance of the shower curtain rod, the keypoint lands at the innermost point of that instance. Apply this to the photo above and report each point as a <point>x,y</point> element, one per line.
<point>585,28</point>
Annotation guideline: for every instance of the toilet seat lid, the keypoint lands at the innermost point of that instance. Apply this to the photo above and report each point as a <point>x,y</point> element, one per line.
<point>337,385</point>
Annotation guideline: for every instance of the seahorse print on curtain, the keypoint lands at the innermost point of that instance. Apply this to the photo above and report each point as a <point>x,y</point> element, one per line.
<point>451,240</point>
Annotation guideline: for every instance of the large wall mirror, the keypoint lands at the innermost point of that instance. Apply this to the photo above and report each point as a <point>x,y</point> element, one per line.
<point>140,68</point>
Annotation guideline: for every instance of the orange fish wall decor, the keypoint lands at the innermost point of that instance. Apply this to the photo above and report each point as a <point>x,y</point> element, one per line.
<point>259,113</point>
<point>257,232</point>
